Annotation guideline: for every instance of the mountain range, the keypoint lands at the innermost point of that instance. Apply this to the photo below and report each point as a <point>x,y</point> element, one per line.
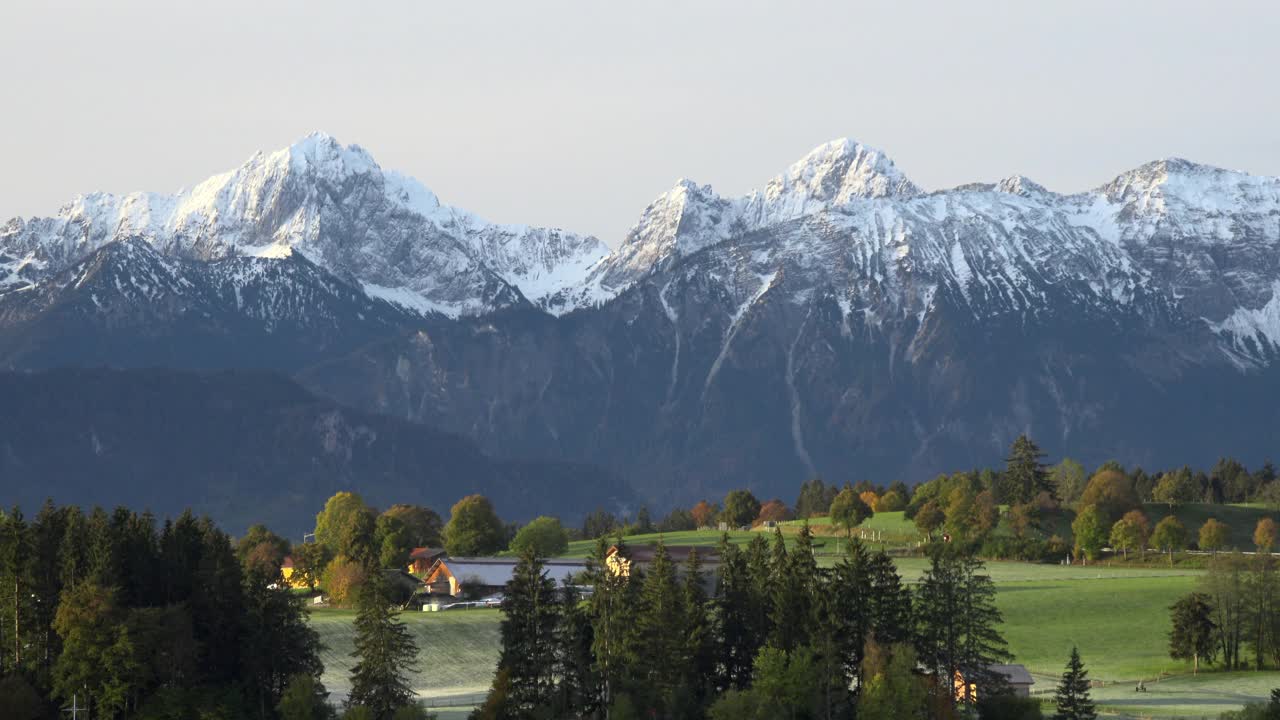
<point>841,321</point>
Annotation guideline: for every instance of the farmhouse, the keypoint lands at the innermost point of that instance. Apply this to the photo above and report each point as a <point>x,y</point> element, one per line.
<point>479,576</point>
<point>422,558</point>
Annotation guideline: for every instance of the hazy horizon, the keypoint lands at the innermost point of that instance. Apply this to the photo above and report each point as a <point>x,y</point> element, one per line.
<point>579,115</point>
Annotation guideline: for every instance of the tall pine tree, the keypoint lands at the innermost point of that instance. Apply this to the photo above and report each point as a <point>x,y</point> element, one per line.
<point>736,641</point>
<point>1025,474</point>
<point>384,654</point>
<point>531,615</point>
<point>957,619</point>
<point>614,603</point>
<point>1072,696</point>
<point>663,651</point>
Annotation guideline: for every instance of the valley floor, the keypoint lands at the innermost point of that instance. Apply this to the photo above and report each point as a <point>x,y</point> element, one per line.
<point>1117,616</point>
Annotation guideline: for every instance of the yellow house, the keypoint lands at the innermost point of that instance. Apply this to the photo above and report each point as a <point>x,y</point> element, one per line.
<point>286,569</point>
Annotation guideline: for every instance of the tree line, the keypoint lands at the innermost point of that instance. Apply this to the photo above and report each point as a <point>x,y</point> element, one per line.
<point>129,618</point>
<point>778,637</point>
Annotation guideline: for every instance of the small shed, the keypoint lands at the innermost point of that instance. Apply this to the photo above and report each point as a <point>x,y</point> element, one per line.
<point>1017,677</point>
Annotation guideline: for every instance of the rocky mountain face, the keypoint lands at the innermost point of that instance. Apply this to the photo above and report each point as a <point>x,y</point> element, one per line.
<point>248,447</point>
<point>840,321</point>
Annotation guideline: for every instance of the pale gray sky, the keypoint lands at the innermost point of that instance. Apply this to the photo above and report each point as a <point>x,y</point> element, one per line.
<point>576,114</point>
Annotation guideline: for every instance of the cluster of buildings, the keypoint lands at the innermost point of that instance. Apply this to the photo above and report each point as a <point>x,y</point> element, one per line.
<point>434,578</point>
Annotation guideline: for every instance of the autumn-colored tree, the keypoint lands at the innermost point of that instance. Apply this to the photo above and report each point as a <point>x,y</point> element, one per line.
<point>848,511</point>
<point>869,497</point>
<point>704,513</point>
<point>1131,532</point>
<point>1176,488</point>
<point>1264,535</point>
<point>1170,536</point>
<point>1112,493</point>
<point>891,501</point>
<point>1024,518</point>
<point>985,513</point>
<point>929,518</point>
<point>343,579</point>
<point>1213,535</point>
<point>261,549</point>
<point>773,511</point>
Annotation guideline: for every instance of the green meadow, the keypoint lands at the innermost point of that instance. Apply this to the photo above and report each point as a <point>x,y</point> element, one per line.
<point>1117,616</point>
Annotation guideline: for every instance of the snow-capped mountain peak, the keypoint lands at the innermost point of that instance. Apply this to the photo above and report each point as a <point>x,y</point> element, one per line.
<point>336,206</point>
<point>833,174</point>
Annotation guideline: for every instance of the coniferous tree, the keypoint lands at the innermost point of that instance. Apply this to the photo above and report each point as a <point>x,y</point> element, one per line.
<point>577,690</point>
<point>1072,696</point>
<point>1025,474</point>
<point>850,618</point>
<point>531,615</point>
<point>15,595</point>
<point>735,641</point>
<point>279,644</point>
<point>384,653</point>
<point>661,625</point>
<point>45,580</point>
<point>698,637</point>
<point>760,563</point>
<point>1193,634</point>
<point>614,602</point>
<point>793,592</point>
<point>889,601</point>
<point>957,621</point>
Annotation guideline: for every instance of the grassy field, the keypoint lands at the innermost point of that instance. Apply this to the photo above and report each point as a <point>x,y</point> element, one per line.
<point>1116,613</point>
<point>457,649</point>
<point>1241,519</point>
<point>892,527</point>
<point>1185,696</point>
<point>1117,616</point>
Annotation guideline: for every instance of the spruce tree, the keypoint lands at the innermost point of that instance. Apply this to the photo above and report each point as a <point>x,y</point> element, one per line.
<point>957,621</point>
<point>614,603</point>
<point>1072,695</point>
<point>531,615</point>
<point>1025,474</point>
<point>850,619</point>
<point>735,641</point>
<point>577,691</point>
<point>279,645</point>
<point>384,652</point>
<point>793,587</point>
<point>889,601</point>
<point>661,624</point>
<point>698,638</point>
<point>761,577</point>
